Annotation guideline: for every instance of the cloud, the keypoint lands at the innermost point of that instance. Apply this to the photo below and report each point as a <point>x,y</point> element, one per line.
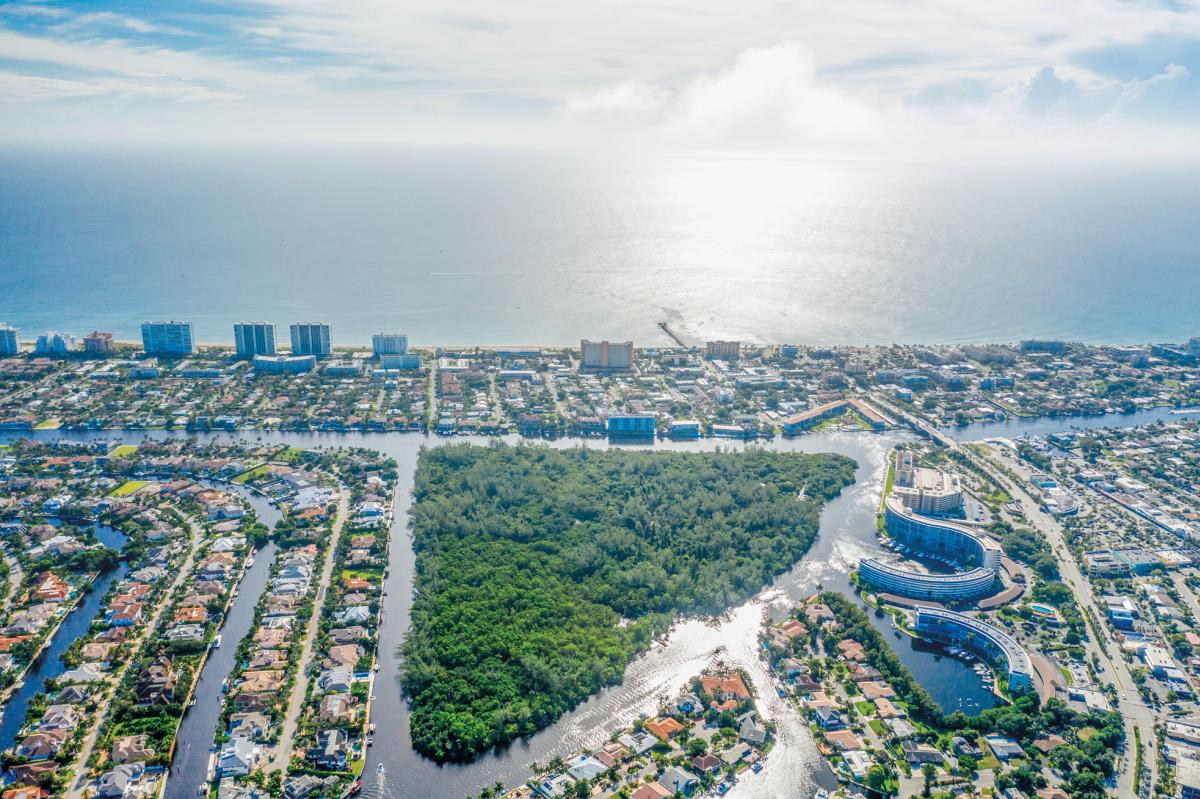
<point>859,75</point>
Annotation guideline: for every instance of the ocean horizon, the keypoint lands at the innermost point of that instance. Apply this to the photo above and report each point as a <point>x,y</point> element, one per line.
<point>499,248</point>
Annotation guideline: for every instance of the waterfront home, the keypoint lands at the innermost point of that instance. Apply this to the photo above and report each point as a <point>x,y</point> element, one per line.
<point>121,782</point>
<point>156,684</point>
<point>651,790</point>
<point>238,757</point>
<point>688,704</point>
<point>750,730</point>
<point>585,767</point>
<point>725,688</point>
<point>337,680</point>
<point>305,785</point>
<point>706,763</point>
<point>611,754</point>
<point>59,717</point>
<point>88,672</point>
<point>345,655</point>
<point>679,780</point>
<point>333,750</point>
<point>829,718</point>
<point>664,728</point>
<point>918,753</point>
<point>261,681</point>
<point>843,740</point>
<point>858,762</point>
<point>1003,747</point>
<point>131,748</point>
<point>637,742</point>
<point>254,725</point>
<point>347,635</point>
<point>41,745</point>
<point>555,786</point>
<point>51,588</point>
<point>872,689</point>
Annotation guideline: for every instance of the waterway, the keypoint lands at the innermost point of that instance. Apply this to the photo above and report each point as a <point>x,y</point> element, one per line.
<point>48,664</point>
<point>1017,426</point>
<point>847,533</point>
<point>197,732</point>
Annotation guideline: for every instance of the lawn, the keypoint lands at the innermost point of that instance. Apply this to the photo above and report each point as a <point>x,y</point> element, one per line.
<point>250,474</point>
<point>49,424</point>
<point>128,488</point>
<point>865,708</point>
<point>124,451</point>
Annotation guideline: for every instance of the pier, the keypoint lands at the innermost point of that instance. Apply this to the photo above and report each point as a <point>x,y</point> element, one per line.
<point>666,328</point>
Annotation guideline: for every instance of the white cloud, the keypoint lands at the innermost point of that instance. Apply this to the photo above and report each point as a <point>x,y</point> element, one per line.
<point>854,75</point>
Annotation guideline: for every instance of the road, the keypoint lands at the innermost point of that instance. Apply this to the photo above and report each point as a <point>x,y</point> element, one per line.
<point>79,767</point>
<point>283,750</point>
<point>1130,704</point>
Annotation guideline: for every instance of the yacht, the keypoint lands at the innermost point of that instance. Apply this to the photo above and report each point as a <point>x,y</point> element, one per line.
<point>216,644</point>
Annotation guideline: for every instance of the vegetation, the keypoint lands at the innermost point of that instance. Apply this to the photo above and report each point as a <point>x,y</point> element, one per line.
<point>542,572</point>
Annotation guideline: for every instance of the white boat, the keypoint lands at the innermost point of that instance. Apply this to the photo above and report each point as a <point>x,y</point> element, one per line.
<point>379,770</point>
<point>216,644</point>
<point>821,794</point>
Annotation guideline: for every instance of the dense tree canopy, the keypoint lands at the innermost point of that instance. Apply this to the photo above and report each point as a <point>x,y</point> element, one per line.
<point>542,572</point>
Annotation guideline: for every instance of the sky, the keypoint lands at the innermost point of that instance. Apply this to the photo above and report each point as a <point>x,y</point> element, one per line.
<point>1072,78</point>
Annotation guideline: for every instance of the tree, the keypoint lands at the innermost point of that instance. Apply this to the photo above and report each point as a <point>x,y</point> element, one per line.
<point>928,772</point>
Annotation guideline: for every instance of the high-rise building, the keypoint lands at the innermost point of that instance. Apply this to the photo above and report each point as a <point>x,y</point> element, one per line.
<point>254,338</point>
<point>312,338</point>
<point>55,343</point>
<point>167,338</point>
<point>723,349</point>
<point>10,340</point>
<point>389,344</point>
<point>97,343</point>
<point>606,355</point>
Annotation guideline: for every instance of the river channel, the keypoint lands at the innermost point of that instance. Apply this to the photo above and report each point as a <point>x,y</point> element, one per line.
<point>847,533</point>
<point>193,749</point>
<point>48,663</point>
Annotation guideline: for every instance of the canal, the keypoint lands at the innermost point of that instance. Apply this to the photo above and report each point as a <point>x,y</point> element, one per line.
<point>48,664</point>
<point>193,748</point>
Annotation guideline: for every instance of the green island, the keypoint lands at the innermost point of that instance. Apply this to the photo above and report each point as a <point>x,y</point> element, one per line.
<point>542,572</point>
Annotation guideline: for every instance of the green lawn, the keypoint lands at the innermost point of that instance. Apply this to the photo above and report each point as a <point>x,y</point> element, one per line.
<point>865,708</point>
<point>49,424</point>
<point>124,451</point>
<point>128,488</point>
<point>290,454</point>
<point>250,474</point>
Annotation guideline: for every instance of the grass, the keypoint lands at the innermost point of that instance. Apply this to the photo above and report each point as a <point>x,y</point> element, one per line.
<point>250,474</point>
<point>290,454</point>
<point>128,488</point>
<point>49,424</point>
<point>865,708</point>
<point>124,451</point>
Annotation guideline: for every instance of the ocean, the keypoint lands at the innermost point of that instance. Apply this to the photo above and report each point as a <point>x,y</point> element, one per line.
<point>527,248</point>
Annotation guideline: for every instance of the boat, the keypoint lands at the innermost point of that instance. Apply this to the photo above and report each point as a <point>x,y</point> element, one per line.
<point>216,644</point>
<point>821,794</point>
<point>355,788</point>
<point>380,770</point>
